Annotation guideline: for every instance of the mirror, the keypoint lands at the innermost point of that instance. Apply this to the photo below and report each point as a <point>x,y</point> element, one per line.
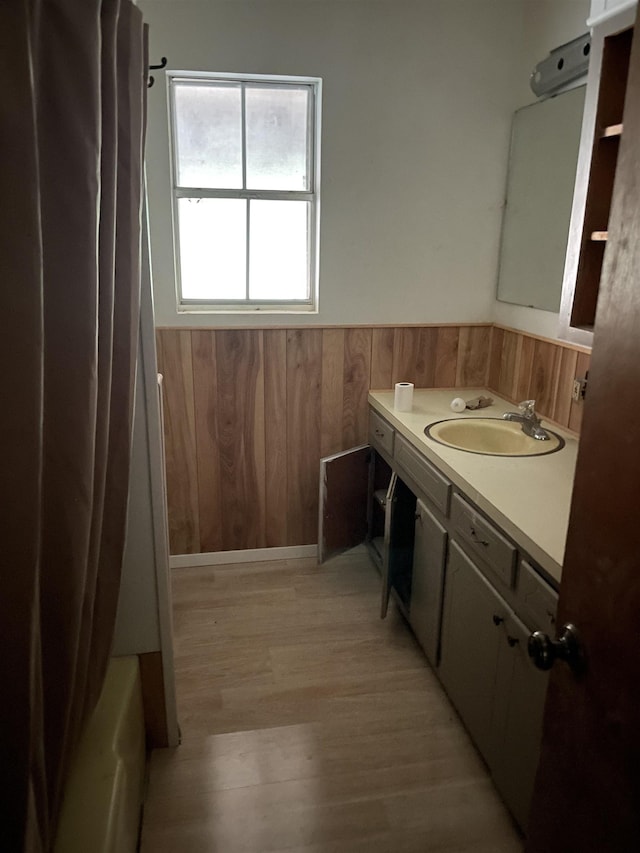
<point>535,224</point>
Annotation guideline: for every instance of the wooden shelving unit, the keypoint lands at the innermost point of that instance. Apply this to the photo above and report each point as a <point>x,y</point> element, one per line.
<point>604,158</point>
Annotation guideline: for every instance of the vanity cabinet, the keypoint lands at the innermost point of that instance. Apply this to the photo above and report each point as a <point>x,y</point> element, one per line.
<point>475,598</point>
<point>470,595</point>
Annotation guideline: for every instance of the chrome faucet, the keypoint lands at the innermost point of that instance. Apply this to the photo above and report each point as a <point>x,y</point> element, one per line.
<point>528,418</point>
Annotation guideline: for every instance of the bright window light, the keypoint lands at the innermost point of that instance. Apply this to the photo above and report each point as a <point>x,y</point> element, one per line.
<point>246,191</point>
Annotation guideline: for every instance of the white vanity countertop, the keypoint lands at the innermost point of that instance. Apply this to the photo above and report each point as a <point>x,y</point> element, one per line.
<point>528,497</point>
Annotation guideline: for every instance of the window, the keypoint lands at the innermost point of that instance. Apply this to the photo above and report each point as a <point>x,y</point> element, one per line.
<point>245,171</point>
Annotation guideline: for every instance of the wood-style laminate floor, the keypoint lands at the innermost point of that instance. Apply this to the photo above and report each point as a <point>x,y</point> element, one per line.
<point>311,726</point>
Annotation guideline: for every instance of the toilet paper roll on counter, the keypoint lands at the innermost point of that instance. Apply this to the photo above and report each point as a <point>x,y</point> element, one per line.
<point>403,399</point>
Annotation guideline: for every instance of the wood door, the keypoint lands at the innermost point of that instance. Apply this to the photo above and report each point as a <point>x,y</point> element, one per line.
<point>587,793</point>
<point>344,491</point>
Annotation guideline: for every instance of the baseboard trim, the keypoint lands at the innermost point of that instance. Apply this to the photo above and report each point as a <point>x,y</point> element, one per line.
<point>251,555</point>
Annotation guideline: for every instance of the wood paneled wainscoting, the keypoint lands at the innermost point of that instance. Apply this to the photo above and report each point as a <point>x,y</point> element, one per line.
<point>250,412</point>
<point>527,367</point>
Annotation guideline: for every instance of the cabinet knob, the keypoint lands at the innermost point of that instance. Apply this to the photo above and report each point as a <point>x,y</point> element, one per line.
<point>544,651</point>
<point>497,620</point>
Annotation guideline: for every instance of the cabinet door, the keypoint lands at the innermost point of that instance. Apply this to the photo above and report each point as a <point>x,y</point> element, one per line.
<point>398,545</point>
<point>518,710</point>
<point>429,555</point>
<point>380,478</point>
<point>344,489</point>
<point>472,632</point>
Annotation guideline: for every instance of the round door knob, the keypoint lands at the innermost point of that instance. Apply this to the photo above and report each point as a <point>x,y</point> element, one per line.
<point>541,650</point>
<point>544,651</point>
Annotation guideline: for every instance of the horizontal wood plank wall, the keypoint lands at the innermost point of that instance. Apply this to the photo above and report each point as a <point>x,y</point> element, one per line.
<point>525,367</point>
<point>250,412</point>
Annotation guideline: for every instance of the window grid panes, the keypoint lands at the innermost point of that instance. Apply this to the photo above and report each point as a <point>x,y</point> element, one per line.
<point>245,191</point>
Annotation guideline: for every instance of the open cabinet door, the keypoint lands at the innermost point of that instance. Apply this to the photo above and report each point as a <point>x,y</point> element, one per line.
<point>344,489</point>
<point>587,794</point>
<point>397,564</point>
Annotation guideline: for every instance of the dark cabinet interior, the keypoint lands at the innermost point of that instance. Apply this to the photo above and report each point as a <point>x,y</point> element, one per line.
<point>401,513</point>
<point>377,504</point>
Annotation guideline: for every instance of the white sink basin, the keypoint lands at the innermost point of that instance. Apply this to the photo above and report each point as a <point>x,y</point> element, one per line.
<point>491,437</point>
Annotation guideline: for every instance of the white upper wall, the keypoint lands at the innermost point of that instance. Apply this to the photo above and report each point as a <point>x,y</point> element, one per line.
<point>547,25</point>
<point>417,104</point>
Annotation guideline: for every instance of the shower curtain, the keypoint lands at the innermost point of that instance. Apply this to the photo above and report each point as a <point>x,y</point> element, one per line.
<point>72,115</point>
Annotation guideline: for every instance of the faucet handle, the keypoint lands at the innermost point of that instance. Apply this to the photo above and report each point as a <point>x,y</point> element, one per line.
<point>528,408</point>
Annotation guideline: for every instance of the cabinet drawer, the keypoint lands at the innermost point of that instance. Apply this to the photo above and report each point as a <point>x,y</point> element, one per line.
<point>538,600</point>
<point>430,482</point>
<point>484,541</point>
<point>380,433</point>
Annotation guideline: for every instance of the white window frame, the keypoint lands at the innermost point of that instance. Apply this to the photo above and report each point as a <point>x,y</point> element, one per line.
<point>309,305</point>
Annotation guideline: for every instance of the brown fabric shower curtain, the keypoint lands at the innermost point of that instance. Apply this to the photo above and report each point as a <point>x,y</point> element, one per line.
<point>72,101</point>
